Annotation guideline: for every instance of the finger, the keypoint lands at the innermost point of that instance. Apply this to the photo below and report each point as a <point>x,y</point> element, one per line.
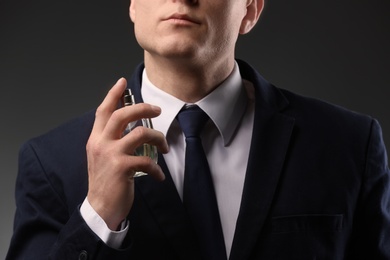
<point>143,135</point>
<point>109,105</point>
<point>123,116</point>
<point>147,165</point>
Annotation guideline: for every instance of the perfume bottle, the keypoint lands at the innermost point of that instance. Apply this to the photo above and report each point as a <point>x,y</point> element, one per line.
<point>145,149</point>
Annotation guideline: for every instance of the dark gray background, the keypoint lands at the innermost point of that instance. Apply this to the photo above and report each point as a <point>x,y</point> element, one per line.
<point>58,59</point>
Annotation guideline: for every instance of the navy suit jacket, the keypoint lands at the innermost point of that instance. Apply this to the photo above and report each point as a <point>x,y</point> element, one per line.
<point>317,186</point>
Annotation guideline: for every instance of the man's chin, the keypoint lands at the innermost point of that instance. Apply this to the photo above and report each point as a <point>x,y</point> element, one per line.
<point>174,53</point>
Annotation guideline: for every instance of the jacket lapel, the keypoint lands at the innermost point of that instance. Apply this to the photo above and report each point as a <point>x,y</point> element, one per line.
<point>270,141</point>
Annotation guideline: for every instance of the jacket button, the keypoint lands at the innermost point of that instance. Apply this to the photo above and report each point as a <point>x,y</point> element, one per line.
<point>83,255</point>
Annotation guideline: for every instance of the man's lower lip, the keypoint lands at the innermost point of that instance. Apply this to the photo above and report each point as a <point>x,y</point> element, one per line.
<point>181,21</point>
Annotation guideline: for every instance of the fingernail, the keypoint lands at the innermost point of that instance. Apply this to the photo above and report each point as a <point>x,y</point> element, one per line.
<point>120,79</point>
<point>156,109</point>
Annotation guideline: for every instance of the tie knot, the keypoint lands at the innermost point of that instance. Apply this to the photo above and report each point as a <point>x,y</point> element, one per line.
<point>192,120</point>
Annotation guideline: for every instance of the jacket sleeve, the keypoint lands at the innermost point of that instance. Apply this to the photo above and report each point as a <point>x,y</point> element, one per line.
<point>371,237</point>
<point>45,227</point>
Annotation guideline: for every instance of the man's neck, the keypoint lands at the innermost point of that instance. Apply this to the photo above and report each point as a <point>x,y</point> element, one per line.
<point>188,81</point>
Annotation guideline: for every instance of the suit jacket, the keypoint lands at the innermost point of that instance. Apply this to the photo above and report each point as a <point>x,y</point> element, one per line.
<point>317,186</point>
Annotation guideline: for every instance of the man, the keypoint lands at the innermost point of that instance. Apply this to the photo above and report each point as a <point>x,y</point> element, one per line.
<point>294,178</point>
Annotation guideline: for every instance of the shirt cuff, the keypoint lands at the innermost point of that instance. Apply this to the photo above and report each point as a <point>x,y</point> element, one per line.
<point>113,239</point>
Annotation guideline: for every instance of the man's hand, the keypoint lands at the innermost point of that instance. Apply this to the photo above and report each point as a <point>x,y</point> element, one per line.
<point>111,160</point>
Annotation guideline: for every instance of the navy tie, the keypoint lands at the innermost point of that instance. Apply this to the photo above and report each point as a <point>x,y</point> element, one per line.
<point>198,191</point>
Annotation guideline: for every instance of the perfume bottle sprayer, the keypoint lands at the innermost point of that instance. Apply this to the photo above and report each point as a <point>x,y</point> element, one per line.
<point>145,149</point>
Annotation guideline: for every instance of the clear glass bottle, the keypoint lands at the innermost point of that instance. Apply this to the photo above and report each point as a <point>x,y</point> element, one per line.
<point>145,149</point>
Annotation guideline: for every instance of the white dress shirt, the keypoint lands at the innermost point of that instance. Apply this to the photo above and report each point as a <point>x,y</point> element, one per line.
<point>226,140</point>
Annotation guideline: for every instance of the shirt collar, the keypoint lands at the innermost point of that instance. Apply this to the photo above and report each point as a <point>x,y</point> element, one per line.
<point>225,106</point>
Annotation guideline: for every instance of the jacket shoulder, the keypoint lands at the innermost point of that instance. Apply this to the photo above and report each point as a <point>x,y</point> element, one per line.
<point>322,112</point>
<point>67,136</point>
